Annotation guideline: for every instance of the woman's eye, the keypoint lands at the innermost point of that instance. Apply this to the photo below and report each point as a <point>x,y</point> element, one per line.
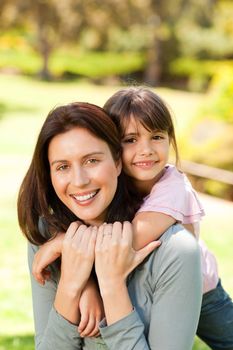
<point>92,161</point>
<point>62,167</point>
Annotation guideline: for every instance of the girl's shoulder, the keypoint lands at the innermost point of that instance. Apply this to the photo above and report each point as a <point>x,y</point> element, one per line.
<point>173,179</point>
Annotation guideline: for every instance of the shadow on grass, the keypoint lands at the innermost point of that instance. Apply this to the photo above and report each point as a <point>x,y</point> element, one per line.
<point>17,342</point>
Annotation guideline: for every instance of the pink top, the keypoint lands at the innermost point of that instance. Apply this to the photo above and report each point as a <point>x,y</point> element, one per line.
<point>174,195</point>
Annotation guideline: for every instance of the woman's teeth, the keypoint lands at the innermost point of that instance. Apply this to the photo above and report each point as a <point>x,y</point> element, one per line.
<point>85,197</point>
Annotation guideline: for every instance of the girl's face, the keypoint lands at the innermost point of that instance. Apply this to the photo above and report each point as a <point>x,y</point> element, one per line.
<point>145,154</point>
<point>83,173</point>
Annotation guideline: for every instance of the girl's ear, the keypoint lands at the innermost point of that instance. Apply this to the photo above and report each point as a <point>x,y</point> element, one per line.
<point>119,166</point>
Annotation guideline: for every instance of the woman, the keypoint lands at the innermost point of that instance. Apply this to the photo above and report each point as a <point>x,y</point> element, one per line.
<point>75,174</point>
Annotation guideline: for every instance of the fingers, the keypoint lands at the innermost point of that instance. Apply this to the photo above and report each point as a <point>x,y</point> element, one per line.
<point>83,322</point>
<point>72,230</point>
<point>89,327</point>
<point>127,232</point>
<point>141,254</point>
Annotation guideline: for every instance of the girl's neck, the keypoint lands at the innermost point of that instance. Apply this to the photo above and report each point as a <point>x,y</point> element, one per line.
<point>145,187</point>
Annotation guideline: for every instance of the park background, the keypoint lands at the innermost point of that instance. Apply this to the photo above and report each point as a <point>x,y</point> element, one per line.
<point>56,52</point>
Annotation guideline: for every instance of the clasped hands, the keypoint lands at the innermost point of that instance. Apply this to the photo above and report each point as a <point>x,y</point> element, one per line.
<point>108,248</point>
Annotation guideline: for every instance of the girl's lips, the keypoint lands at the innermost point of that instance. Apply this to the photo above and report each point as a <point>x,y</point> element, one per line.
<point>145,164</point>
<point>85,198</point>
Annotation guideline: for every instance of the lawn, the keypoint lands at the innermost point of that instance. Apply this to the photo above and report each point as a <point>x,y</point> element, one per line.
<point>24,104</point>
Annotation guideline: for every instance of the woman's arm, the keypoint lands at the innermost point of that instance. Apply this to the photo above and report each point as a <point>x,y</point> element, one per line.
<point>52,331</point>
<point>56,305</point>
<point>176,282</point>
<point>114,260</point>
<point>172,278</point>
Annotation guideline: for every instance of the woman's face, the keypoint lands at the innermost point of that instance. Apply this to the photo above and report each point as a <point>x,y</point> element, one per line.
<point>83,173</point>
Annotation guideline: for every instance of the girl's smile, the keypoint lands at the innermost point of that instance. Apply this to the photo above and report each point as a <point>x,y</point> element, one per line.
<point>145,154</point>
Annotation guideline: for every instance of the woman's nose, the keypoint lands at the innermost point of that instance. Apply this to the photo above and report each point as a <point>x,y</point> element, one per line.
<point>79,177</point>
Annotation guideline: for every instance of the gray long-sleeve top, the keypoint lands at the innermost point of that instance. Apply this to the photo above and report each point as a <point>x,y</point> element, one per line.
<point>166,291</point>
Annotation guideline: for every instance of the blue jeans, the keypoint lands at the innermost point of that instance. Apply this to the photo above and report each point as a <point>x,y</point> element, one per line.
<point>215,326</point>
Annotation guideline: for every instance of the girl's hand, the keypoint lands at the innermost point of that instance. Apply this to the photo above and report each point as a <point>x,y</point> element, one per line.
<point>91,310</point>
<point>114,256</point>
<point>47,253</point>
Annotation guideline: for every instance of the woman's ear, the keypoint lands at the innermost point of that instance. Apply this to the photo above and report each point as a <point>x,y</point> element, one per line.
<point>119,166</point>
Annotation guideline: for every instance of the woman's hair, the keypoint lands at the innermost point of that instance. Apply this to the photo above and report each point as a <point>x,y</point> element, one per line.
<point>37,198</point>
<point>146,107</point>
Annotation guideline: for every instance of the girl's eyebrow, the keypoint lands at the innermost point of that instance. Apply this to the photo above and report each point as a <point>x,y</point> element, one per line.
<point>130,134</point>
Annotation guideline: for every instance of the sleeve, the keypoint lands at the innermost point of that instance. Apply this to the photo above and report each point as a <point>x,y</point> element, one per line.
<point>175,197</point>
<point>127,333</point>
<point>177,294</point>
<point>52,331</point>
<point>173,276</point>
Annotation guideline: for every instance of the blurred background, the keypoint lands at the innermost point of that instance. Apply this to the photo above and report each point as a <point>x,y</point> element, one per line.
<point>54,52</point>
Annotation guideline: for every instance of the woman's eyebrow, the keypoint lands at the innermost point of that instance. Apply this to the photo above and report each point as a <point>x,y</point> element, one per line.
<point>83,157</point>
<point>58,161</point>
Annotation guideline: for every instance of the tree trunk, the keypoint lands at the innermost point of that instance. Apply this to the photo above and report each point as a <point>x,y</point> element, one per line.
<point>153,70</point>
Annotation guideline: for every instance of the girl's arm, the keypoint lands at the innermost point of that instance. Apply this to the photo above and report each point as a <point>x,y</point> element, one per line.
<point>148,226</point>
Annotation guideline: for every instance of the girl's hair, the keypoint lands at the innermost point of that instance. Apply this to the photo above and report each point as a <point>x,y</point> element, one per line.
<point>37,198</point>
<point>146,107</point>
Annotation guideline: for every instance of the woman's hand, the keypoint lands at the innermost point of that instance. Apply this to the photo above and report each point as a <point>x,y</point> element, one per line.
<point>91,310</point>
<point>47,253</point>
<point>115,257</point>
<point>114,260</point>
<point>78,253</point>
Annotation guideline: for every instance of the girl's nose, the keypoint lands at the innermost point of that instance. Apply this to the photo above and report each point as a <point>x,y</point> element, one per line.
<point>145,149</point>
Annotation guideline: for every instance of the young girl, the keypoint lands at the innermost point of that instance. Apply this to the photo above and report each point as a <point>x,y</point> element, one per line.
<point>147,133</point>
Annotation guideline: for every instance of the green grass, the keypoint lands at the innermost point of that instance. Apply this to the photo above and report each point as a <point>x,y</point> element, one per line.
<point>24,104</point>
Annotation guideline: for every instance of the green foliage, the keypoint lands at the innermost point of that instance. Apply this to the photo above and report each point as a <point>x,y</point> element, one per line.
<point>88,64</point>
<point>97,64</point>
<point>220,104</point>
<point>200,72</point>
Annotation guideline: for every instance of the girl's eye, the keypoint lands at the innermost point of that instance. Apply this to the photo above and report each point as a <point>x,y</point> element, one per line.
<point>129,140</point>
<point>158,137</point>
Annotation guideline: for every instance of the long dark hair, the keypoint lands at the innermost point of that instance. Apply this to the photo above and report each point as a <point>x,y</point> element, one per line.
<point>37,198</point>
<point>146,107</point>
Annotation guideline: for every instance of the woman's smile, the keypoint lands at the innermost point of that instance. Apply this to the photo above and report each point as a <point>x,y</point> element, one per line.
<point>85,198</point>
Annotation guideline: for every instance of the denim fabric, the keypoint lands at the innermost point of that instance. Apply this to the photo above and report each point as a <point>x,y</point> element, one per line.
<point>215,326</point>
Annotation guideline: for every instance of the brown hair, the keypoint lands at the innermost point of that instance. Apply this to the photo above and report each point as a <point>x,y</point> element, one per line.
<point>37,198</point>
<point>146,107</point>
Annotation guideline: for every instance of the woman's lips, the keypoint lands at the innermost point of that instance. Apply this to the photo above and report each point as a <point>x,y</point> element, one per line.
<point>84,198</point>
